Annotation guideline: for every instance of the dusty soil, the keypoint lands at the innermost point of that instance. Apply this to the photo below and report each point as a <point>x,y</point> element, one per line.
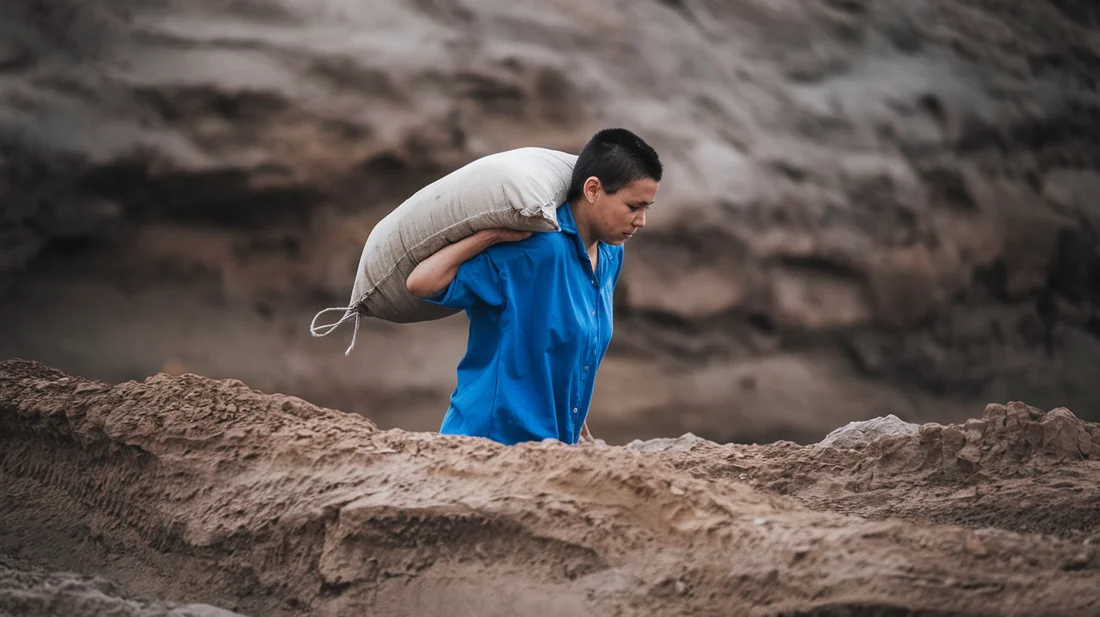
<point>871,206</point>
<point>1004,470</point>
<point>190,490</point>
<point>28,591</point>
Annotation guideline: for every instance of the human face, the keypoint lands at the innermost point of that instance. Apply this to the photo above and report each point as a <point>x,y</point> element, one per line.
<point>615,218</point>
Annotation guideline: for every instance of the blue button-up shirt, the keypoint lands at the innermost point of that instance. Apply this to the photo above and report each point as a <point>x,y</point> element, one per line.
<point>540,323</point>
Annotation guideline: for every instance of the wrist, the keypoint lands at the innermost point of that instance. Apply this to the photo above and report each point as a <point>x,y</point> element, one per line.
<point>488,237</point>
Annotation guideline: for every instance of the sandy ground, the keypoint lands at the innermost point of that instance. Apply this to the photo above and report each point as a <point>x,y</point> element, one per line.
<point>189,490</point>
<point>871,207</point>
<point>29,591</point>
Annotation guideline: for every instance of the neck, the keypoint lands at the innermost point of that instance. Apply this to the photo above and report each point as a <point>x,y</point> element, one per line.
<point>584,226</point>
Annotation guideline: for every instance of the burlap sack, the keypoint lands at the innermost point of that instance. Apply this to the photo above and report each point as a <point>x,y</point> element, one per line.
<point>517,189</point>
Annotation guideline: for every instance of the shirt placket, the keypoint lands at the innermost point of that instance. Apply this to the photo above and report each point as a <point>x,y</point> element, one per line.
<point>590,343</point>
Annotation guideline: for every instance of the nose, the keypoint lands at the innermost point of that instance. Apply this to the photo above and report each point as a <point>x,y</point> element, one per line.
<point>639,220</point>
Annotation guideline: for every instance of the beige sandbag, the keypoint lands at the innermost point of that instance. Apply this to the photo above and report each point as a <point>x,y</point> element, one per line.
<point>517,189</point>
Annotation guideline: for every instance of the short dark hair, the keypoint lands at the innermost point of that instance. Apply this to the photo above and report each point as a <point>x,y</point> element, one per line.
<point>617,157</point>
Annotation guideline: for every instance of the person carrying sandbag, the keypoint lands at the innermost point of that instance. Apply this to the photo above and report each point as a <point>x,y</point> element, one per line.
<point>540,303</point>
<point>517,189</point>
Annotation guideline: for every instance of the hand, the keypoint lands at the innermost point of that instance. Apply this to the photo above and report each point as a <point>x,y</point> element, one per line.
<point>502,234</point>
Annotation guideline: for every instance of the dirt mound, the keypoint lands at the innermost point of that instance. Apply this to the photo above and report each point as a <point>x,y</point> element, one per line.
<point>200,491</point>
<point>857,434</point>
<point>1016,468</point>
<point>27,591</point>
<point>1008,441</point>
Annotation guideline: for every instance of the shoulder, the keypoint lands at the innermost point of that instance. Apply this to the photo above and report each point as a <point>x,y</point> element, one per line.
<point>529,261</point>
<point>537,247</point>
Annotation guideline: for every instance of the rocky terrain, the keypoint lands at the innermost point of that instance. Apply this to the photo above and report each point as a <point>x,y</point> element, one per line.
<point>27,591</point>
<point>871,206</point>
<point>878,215</point>
<point>184,493</point>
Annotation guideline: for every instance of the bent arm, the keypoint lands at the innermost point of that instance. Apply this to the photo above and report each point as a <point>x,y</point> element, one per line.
<point>437,271</point>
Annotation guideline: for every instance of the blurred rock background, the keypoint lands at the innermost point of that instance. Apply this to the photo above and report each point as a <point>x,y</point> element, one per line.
<point>870,207</point>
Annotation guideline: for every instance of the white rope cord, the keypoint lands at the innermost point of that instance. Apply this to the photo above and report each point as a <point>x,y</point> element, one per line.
<point>326,329</point>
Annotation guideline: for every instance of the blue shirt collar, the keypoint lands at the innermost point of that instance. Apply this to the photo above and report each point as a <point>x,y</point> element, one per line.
<point>568,225</point>
<point>566,221</point>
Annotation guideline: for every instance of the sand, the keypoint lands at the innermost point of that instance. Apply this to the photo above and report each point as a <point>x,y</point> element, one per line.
<point>188,490</point>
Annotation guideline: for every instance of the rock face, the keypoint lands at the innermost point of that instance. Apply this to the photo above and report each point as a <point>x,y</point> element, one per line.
<point>892,200</point>
<point>200,491</point>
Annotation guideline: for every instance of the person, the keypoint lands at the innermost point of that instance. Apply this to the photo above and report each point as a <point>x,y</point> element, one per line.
<point>541,305</point>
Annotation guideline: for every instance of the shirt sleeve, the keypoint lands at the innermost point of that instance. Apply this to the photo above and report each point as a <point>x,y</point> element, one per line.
<point>478,282</point>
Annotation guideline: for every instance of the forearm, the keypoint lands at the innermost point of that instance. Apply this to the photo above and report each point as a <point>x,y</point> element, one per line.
<point>437,271</point>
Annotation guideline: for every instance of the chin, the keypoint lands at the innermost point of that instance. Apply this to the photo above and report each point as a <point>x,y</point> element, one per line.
<point>619,241</point>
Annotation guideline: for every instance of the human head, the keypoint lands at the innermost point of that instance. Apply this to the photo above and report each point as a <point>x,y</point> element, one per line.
<point>616,157</point>
<point>615,179</point>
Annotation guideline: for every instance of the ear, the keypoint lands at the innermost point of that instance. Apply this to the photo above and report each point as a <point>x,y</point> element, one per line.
<point>592,189</point>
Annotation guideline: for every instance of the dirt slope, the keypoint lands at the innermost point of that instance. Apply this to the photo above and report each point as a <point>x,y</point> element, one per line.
<point>872,206</point>
<point>27,591</point>
<point>200,491</point>
<point>1016,468</point>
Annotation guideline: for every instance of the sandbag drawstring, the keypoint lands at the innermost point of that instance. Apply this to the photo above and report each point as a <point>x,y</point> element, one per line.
<point>326,329</point>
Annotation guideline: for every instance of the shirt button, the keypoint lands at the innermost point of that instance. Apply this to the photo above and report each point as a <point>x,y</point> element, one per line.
<point>574,410</point>
<point>586,368</point>
<point>593,312</point>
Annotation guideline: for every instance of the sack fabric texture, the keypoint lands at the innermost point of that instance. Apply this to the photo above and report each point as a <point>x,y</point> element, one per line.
<point>517,189</point>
